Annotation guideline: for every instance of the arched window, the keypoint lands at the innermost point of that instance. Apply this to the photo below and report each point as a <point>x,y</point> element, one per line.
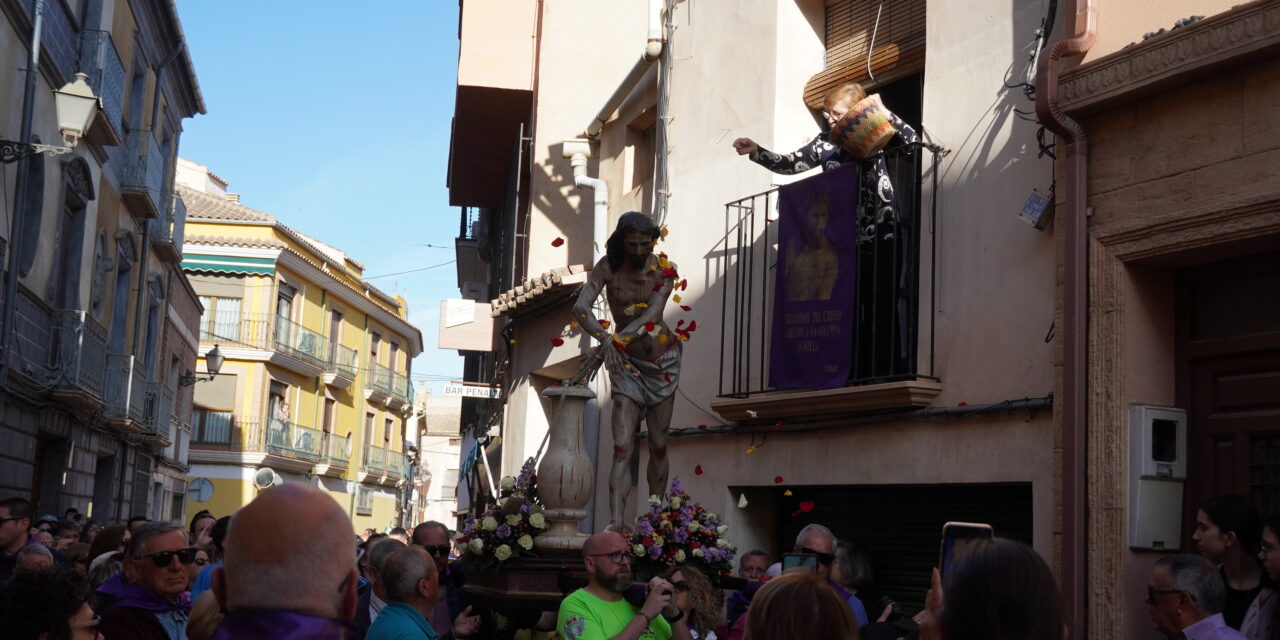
<point>31,213</point>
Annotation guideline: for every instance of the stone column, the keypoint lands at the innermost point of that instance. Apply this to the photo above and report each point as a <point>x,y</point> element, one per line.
<point>566,474</point>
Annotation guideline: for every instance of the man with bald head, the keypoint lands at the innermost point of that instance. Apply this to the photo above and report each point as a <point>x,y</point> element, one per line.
<point>599,612</point>
<point>274,586</point>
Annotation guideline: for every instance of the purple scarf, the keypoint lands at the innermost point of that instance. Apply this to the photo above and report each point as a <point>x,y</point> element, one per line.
<point>281,625</point>
<point>135,597</point>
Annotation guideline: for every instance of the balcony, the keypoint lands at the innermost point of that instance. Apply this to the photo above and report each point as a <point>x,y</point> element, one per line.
<point>397,465</point>
<point>217,429</point>
<point>31,339</point>
<point>890,368</point>
<point>340,370</point>
<point>167,231</point>
<point>305,345</point>
<point>336,452</point>
<point>125,392</point>
<point>388,387</point>
<point>142,186</point>
<point>81,353</point>
<point>157,429</point>
<point>294,441</point>
<point>266,337</point>
<point>101,62</point>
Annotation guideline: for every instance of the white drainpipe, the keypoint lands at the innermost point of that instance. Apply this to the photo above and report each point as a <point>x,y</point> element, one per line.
<point>578,151</point>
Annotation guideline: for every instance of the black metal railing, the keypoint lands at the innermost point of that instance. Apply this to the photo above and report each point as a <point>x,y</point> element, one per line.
<point>887,323</point>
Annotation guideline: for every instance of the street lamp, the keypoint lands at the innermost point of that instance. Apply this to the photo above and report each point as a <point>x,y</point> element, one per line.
<point>76,107</point>
<point>212,362</point>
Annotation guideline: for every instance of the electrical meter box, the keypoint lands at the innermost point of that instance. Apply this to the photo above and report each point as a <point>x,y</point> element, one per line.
<point>1157,473</point>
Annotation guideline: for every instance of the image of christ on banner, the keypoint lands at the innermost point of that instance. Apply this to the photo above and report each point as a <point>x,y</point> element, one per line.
<point>813,312</point>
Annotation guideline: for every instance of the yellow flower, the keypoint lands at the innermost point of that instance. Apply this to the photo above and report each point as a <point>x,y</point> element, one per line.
<point>525,541</point>
<point>662,339</point>
<point>663,233</point>
<point>511,341</point>
<point>679,555</point>
<point>676,298</point>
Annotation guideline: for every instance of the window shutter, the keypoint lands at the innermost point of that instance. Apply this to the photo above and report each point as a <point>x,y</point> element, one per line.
<point>899,45</point>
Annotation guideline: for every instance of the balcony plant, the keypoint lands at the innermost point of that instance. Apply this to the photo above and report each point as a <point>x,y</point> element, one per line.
<point>678,530</point>
<point>506,529</point>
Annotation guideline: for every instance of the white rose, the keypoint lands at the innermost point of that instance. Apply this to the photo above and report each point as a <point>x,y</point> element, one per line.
<point>712,516</point>
<point>675,502</point>
<point>679,555</point>
<point>698,553</point>
<point>538,521</point>
<point>502,553</point>
<point>489,523</point>
<point>654,500</point>
<point>525,542</point>
<point>638,550</point>
<point>507,483</point>
<point>693,527</point>
<point>722,528</point>
<point>722,542</point>
<point>513,519</point>
<point>476,545</point>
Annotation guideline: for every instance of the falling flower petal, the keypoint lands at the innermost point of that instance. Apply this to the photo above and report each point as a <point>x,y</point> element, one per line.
<point>648,326</point>
<point>557,342</point>
<point>604,324</point>
<point>680,323</point>
<point>663,232</point>
<point>657,287</point>
<point>684,284</point>
<point>642,305</point>
<point>805,507</point>
<point>676,298</point>
<point>702,426</point>
<point>693,326</point>
<point>511,341</point>
<point>697,471</point>
<point>683,338</point>
<point>742,501</point>
<point>574,324</point>
<point>777,426</point>
<point>751,449</point>
<point>686,307</point>
<point>787,492</point>
<point>668,272</point>
<point>557,242</point>
<point>631,310</point>
<point>662,339</point>
<point>777,479</point>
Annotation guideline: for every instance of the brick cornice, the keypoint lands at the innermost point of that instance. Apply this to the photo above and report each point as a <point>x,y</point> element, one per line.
<point>1249,31</point>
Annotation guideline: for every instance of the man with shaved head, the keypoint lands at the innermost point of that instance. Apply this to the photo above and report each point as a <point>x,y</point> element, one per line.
<point>274,586</point>
<point>599,612</point>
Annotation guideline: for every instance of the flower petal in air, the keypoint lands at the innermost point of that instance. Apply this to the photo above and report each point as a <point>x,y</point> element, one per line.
<point>557,242</point>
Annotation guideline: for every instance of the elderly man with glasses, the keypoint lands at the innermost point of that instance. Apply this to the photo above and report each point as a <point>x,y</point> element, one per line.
<point>147,594</point>
<point>447,616</point>
<point>1186,595</point>
<point>817,540</point>
<point>599,611</point>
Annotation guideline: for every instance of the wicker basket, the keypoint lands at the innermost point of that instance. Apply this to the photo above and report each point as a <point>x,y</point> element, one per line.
<point>865,130</point>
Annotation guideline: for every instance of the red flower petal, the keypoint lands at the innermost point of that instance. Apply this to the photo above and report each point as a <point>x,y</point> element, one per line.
<point>697,471</point>
<point>557,342</point>
<point>557,242</point>
<point>806,506</point>
<point>648,326</point>
<point>657,287</point>
<point>777,425</point>
<point>684,284</point>
<point>670,273</point>
<point>667,377</point>
<point>693,326</point>
<point>686,307</point>
<point>680,323</point>
<point>702,426</point>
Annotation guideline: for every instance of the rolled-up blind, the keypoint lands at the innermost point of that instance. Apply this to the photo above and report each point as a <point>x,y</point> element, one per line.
<point>898,27</point>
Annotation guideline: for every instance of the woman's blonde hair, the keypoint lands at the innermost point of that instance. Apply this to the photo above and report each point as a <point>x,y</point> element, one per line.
<point>850,91</point>
<point>799,606</point>
<point>704,600</point>
<point>205,617</point>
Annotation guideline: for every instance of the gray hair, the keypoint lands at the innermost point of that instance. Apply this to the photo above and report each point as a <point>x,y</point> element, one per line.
<point>32,549</point>
<point>814,528</point>
<point>1198,577</point>
<point>381,550</point>
<point>403,570</point>
<point>742,559</point>
<point>146,532</point>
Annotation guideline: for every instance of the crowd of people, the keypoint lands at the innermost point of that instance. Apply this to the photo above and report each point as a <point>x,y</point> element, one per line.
<point>236,577</point>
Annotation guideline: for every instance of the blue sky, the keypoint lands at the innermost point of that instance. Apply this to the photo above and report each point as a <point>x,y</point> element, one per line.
<point>334,117</point>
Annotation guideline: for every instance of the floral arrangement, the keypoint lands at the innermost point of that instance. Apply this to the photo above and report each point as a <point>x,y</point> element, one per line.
<point>506,528</point>
<point>680,531</point>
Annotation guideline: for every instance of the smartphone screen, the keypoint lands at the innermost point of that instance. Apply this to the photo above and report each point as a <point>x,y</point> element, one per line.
<point>806,561</point>
<point>958,540</point>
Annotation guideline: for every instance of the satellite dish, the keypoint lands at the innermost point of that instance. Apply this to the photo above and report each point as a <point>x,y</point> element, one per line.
<point>265,478</point>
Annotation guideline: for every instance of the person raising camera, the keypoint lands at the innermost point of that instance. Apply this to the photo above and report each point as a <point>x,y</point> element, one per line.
<point>599,612</point>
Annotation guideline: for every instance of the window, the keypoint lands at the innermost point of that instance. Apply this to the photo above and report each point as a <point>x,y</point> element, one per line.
<point>374,339</point>
<point>368,427</point>
<point>393,359</point>
<point>284,300</point>
<point>872,43</point>
<point>335,334</point>
<point>364,501</point>
<point>330,407</point>
<point>390,427</point>
<point>221,319</point>
<point>31,212</point>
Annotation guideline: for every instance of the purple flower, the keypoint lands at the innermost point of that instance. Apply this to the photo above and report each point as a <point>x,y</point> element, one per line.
<point>524,508</point>
<point>676,488</point>
<point>655,551</point>
<point>680,536</point>
<point>644,528</point>
<point>503,531</point>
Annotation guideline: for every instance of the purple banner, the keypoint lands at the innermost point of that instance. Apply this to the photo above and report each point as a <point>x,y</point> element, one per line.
<point>813,309</point>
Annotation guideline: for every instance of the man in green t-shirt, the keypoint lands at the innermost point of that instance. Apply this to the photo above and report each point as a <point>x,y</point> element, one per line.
<point>598,611</point>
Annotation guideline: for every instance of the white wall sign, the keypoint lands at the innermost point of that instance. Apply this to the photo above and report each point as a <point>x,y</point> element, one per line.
<point>458,311</point>
<point>469,391</point>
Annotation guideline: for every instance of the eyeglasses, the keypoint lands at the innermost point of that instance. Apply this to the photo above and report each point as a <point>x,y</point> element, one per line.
<point>824,558</point>
<point>615,557</point>
<point>1153,592</point>
<point>200,562</point>
<point>436,550</point>
<point>163,558</point>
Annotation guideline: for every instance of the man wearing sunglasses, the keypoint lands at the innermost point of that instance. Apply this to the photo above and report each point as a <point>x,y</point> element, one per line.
<point>817,540</point>
<point>1186,596</point>
<point>147,593</point>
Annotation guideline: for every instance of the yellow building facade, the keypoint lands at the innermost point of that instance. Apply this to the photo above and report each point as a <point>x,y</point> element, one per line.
<point>314,386</point>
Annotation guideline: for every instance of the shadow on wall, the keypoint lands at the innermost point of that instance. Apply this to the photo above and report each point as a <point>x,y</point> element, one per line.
<point>551,199</point>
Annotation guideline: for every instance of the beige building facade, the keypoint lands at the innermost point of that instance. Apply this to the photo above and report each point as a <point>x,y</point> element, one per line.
<point>965,420</point>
